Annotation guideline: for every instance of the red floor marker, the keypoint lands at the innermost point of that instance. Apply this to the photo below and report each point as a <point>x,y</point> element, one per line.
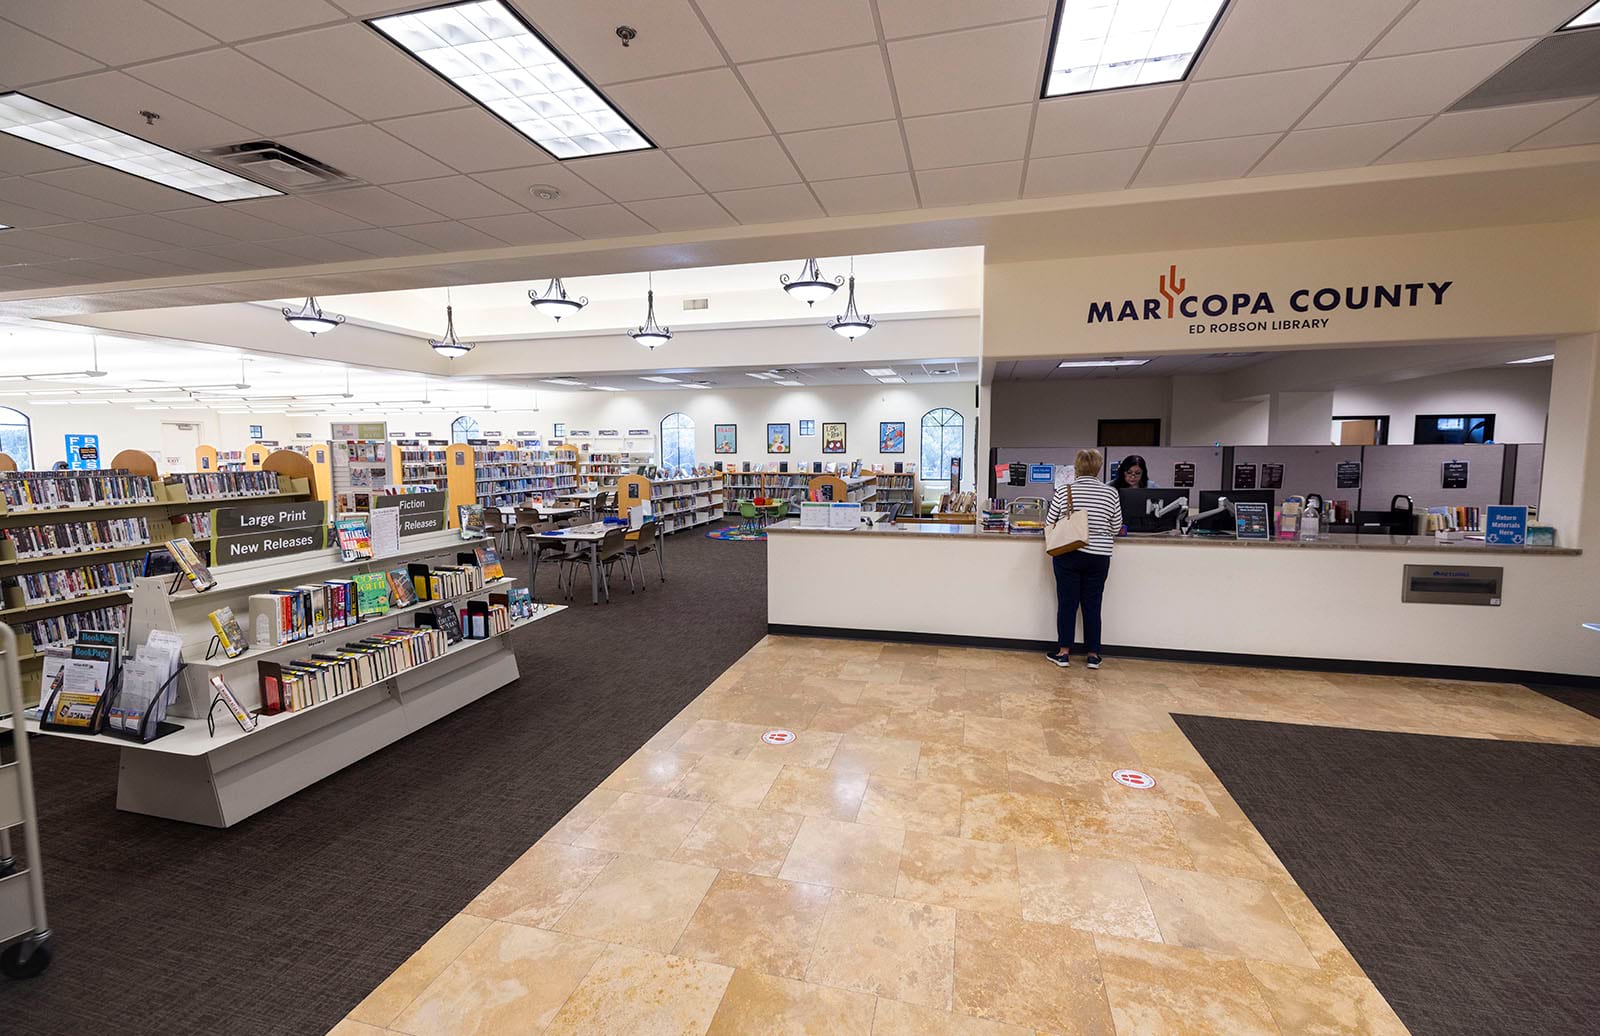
<point>1134,779</point>
<point>778,737</point>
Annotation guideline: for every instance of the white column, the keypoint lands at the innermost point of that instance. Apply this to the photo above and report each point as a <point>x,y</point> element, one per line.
<point>1569,491</point>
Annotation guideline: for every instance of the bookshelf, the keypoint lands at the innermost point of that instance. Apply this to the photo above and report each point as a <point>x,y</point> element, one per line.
<point>255,456</point>
<point>678,503</point>
<point>422,461</point>
<point>899,489</point>
<point>793,486</point>
<point>504,475</point>
<point>604,467</point>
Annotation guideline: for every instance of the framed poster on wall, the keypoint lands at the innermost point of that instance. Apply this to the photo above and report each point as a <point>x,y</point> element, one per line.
<point>833,437</point>
<point>778,438</point>
<point>725,438</point>
<point>891,437</point>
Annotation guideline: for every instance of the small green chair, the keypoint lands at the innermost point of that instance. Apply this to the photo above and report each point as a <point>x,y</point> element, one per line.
<point>752,517</point>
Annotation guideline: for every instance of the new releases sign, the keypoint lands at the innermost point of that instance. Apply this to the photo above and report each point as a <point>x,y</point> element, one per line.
<point>419,512</point>
<point>251,532</point>
<point>1234,309</point>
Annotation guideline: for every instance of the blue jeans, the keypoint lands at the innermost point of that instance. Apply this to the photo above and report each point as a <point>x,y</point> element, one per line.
<point>1080,583</point>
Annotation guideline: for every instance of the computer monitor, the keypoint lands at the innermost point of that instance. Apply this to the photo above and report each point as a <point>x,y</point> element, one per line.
<point>1211,499</point>
<point>1139,506</point>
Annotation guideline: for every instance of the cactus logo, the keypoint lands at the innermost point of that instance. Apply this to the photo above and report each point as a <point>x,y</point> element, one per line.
<point>1172,288</point>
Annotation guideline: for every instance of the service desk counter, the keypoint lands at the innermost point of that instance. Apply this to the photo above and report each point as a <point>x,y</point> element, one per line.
<point>1335,598</point>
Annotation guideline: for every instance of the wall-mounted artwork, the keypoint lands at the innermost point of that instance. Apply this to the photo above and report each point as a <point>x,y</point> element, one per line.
<point>891,437</point>
<point>778,438</point>
<point>808,427</point>
<point>725,438</point>
<point>833,437</point>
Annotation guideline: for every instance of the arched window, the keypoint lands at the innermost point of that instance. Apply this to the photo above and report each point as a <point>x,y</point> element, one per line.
<point>464,428</point>
<point>677,441</point>
<point>941,443</point>
<point>16,437</point>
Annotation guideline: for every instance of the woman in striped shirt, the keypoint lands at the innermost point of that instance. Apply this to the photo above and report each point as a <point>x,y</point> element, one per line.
<point>1081,574</point>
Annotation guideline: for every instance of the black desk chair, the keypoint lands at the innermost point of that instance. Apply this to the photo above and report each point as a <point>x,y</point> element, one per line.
<point>612,551</point>
<point>647,540</point>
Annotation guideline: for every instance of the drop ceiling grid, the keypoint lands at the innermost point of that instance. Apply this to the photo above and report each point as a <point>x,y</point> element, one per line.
<point>212,62</point>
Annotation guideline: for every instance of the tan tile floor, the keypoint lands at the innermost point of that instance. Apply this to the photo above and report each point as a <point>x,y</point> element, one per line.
<point>941,851</point>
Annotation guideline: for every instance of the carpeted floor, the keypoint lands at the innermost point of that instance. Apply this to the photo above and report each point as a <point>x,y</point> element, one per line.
<point>283,923</point>
<point>1460,873</point>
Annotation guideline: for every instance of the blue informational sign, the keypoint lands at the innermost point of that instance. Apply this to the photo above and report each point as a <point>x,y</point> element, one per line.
<point>83,452</point>
<point>1506,526</point>
<point>1042,473</point>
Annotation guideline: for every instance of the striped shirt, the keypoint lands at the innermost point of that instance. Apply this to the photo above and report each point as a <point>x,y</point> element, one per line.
<point>1103,504</point>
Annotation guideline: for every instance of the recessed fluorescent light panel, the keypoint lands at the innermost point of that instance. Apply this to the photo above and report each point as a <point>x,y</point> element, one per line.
<point>1109,44</point>
<point>790,384</point>
<point>1102,363</point>
<point>891,381</point>
<point>1533,359</point>
<point>762,376</point>
<point>489,53</point>
<point>606,388</point>
<point>564,381</point>
<point>659,379</point>
<point>23,116</point>
<point>878,372</point>
<point>1586,19</point>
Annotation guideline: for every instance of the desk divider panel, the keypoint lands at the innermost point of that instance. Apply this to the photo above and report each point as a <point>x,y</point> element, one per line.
<point>1417,471</point>
<point>1306,469</point>
<point>1207,461</point>
<point>1529,474</point>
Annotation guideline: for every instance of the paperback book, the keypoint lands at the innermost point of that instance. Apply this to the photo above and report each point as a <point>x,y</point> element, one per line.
<point>354,533</point>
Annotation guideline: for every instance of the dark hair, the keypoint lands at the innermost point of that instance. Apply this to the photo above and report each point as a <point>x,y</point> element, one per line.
<point>1129,461</point>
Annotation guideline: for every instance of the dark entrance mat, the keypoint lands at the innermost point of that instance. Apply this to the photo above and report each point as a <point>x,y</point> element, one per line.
<point>281,924</point>
<point>1581,698</point>
<point>1460,873</point>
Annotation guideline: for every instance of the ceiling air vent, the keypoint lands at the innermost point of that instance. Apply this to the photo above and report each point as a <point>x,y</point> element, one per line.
<point>1564,65</point>
<point>696,303</point>
<point>788,372</point>
<point>278,165</point>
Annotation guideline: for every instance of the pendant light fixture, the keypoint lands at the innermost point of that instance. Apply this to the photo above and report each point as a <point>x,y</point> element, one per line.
<point>851,324</point>
<point>450,346</point>
<point>651,334</point>
<point>811,286</point>
<point>555,300</point>
<point>310,318</point>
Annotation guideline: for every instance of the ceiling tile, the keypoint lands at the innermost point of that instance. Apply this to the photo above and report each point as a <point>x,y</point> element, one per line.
<point>1334,147</point>
<point>103,237</point>
<point>1269,35</point>
<point>15,215</point>
<point>830,154</point>
<point>377,206</point>
<point>1582,127</point>
<point>754,162</point>
<point>457,197</point>
<point>450,237</point>
<point>1204,160</point>
<point>1081,174</point>
<point>299,214</point>
<point>635,175</point>
<point>231,222</point>
<point>1484,131</point>
<point>151,266</point>
<point>913,17</point>
<point>754,29</point>
<point>165,231</point>
<point>249,93</point>
<point>1436,24</point>
<point>671,36</point>
<point>27,57</point>
<point>691,212</point>
<point>243,21</point>
<point>379,242</point>
<point>770,204</point>
<point>368,8</point>
<point>116,99</point>
<point>697,108</point>
<point>598,221</point>
<point>1247,104</point>
<point>257,255</point>
<point>978,68</point>
<point>524,228</point>
<point>354,67</point>
<point>1102,122</point>
<point>888,193</point>
<point>832,89</point>
<point>116,32</point>
<point>60,248</point>
<point>970,185</point>
<point>368,153</point>
<point>317,249</point>
<point>965,138</point>
<point>36,194</point>
<point>19,157</point>
<point>1419,84</point>
<point>468,140</point>
<point>121,188</point>
<point>515,184</point>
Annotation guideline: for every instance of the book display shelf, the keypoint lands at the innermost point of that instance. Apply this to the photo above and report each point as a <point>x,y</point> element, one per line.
<point>218,776</point>
<point>422,461</point>
<point>794,486</point>
<point>73,543</point>
<point>677,503</point>
<point>610,459</point>
<point>901,488</point>
<point>361,468</point>
<point>505,475</point>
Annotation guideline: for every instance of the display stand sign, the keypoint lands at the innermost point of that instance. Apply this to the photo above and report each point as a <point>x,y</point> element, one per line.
<point>1183,475</point>
<point>346,431</point>
<point>813,516</point>
<point>251,532</point>
<point>1253,521</point>
<point>1453,474</point>
<point>1019,474</point>
<point>1349,475</point>
<point>1041,473</point>
<point>83,452</point>
<point>1505,526</point>
<point>844,516</point>
<point>419,512</point>
<point>1244,476</point>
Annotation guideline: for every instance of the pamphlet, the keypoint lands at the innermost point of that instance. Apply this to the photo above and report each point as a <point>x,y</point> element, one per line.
<point>385,523</point>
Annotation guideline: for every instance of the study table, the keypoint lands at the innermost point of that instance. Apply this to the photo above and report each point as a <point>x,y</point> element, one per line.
<point>588,537</point>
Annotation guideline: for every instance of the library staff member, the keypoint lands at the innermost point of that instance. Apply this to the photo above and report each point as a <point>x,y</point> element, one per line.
<point>1081,574</point>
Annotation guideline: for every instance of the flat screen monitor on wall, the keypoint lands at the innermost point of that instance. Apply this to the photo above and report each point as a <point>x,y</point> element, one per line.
<point>1453,429</point>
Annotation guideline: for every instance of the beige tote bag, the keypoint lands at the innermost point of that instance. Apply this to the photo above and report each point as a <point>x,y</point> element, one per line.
<point>1068,534</point>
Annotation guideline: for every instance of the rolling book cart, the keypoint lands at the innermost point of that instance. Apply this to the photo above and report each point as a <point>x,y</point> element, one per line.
<point>24,931</point>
